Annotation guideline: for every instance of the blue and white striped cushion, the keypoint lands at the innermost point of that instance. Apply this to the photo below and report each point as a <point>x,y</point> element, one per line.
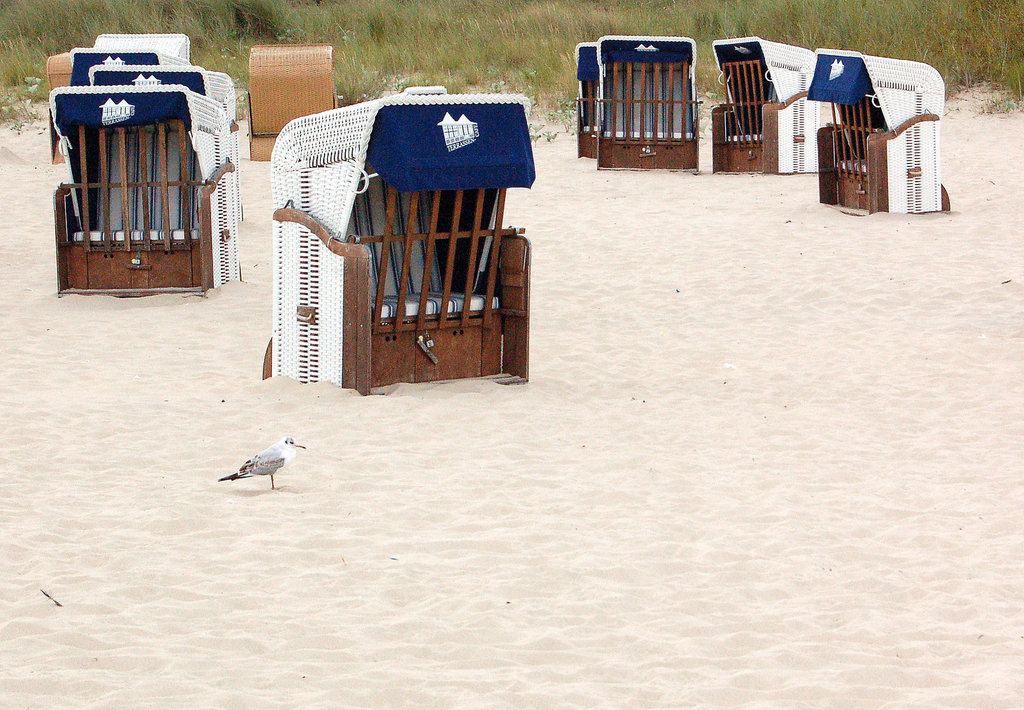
<point>455,301</point>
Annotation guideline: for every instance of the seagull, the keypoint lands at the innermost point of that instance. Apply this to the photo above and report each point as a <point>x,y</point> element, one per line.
<point>268,462</point>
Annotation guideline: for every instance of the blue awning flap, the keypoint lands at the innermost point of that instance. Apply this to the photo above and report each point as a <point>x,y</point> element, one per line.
<point>587,68</point>
<point>839,79</point>
<point>117,109</point>
<point>646,51</point>
<point>740,52</point>
<point>190,78</point>
<point>452,146</point>
<point>83,61</point>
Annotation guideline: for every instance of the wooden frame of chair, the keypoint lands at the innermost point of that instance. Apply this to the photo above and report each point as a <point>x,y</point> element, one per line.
<point>738,126</point>
<point>588,123</point>
<point>151,263</point>
<point>849,172</point>
<point>639,128</point>
<point>386,343</point>
<point>853,166</point>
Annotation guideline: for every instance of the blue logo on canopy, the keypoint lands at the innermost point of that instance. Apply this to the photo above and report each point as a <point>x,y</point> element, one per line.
<point>740,52</point>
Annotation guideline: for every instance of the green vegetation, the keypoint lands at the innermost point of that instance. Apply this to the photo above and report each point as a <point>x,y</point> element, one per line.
<point>495,45</point>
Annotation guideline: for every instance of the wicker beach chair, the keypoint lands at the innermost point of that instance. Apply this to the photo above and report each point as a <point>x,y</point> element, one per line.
<point>155,49</point>
<point>84,59</point>
<point>214,85</point>
<point>176,45</point>
<point>146,208</point>
<point>58,74</point>
<point>588,77</point>
<point>286,81</point>
<point>881,152</point>
<point>391,259</point>
<point>649,107</point>
<point>766,124</point>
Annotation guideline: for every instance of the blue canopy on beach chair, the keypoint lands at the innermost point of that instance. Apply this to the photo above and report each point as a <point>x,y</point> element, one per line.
<point>587,68</point>
<point>747,51</point>
<point>839,79</point>
<point>452,146</point>
<point>649,51</point>
<point>115,108</point>
<point>82,60</point>
<point>192,78</point>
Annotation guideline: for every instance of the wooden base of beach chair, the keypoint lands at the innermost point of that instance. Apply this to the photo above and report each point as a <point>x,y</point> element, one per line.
<point>413,348</point>
<point>500,352</point>
<point>617,153</point>
<point>462,354</point>
<point>134,273</point>
<point>734,157</point>
<point>586,145</point>
<point>868,190</point>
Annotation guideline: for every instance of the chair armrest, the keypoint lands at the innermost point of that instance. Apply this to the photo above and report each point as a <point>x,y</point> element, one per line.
<point>910,123</point>
<point>215,179</point>
<point>792,100</point>
<point>341,248</point>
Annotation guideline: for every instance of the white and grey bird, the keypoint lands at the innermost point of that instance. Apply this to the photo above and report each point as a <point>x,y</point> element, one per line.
<point>268,462</point>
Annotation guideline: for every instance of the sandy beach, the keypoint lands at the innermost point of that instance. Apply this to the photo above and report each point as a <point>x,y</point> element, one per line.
<point>769,457</point>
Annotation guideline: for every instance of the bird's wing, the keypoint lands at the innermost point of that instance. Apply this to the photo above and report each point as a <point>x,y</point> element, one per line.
<point>262,464</point>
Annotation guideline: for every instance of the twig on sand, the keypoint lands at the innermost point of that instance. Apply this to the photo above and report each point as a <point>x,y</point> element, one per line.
<point>51,598</point>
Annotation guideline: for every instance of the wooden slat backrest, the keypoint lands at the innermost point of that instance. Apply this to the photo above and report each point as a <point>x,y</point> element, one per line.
<point>853,126</point>
<point>98,183</point>
<point>145,139</point>
<point>439,257</point>
<point>126,215</point>
<point>586,108</point>
<point>85,185</point>
<point>747,89</point>
<point>492,267</point>
<point>428,260</point>
<point>643,101</point>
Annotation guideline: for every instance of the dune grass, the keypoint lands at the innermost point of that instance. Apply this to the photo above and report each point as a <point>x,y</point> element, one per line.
<point>497,45</point>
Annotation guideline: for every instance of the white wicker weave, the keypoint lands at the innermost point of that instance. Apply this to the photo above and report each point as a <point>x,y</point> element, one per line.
<point>902,90</point>
<point>317,166</point>
<point>177,45</point>
<point>790,70</point>
<point>212,140</point>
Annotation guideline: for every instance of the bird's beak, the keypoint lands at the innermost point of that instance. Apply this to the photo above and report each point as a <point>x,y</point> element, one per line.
<point>300,446</point>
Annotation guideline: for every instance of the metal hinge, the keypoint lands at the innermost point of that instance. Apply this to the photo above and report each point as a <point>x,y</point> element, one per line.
<point>306,314</point>
<point>426,344</point>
